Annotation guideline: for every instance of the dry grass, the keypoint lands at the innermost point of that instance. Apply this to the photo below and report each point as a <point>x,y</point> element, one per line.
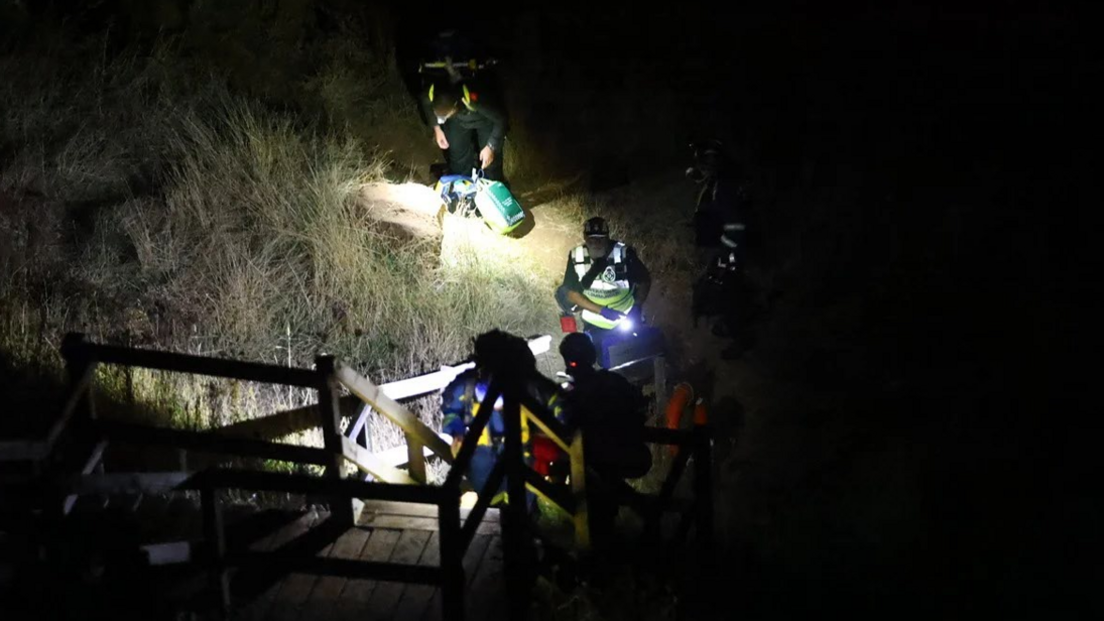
<point>246,237</point>
<point>151,205</point>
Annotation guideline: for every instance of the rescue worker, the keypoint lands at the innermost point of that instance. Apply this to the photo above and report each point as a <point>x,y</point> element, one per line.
<point>470,129</point>
<point>497,355</point>
<point>720,225</point>
<point>606,280</point>
<point>610,411</point>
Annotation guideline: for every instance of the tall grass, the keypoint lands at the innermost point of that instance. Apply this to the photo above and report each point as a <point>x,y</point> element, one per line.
<point>195,219</point>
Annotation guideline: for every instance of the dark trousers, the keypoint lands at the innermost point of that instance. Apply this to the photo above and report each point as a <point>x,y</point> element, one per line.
<point>464,146</point>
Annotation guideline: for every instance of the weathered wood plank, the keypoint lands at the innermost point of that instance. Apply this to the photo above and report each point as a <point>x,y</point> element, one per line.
<point>477,549</point>
<point>385,598</point>
<point>366,461</point>
<point>202,365</point>
<point>259,607</point>
<point>413,509</point>
<point>322,603</point>
<point>296,589</point>
<point>341,507</point>
<point>486,594</point>
<point>286,562</point>
<point>416,597</point>
<point>394,411</point>
<point>403,522</point>
<point>473,558</point>
<point>358,592</point>
<point>91,464</point>
<point>286,422</point>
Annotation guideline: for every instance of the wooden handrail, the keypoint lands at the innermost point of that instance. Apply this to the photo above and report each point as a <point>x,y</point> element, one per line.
<point>363,459</point>
<point>542,418</point>
<point>393,410</point>
<point>205,441</point>
<point>199,365</point>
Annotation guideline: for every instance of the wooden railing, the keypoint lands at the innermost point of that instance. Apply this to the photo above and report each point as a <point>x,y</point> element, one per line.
<point>79,429</point>
<point>57,491</point>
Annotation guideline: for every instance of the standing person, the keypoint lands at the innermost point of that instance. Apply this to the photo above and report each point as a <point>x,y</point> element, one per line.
<point>470,129</point>
<point>610,412</point>
<point>506,357</point>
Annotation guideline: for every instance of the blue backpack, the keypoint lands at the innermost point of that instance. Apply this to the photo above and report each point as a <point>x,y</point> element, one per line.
<point>457,193</point>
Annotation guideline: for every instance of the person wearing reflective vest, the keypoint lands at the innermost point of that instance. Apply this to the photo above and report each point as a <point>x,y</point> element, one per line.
<point>605,279</point>
<point>469,128</point>
<point>462,399</point>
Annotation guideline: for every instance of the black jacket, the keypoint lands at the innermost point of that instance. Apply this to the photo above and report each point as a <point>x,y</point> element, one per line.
<point>476,114</point>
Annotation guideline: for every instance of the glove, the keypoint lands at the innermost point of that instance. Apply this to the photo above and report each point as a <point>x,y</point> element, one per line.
<point>611,314</point>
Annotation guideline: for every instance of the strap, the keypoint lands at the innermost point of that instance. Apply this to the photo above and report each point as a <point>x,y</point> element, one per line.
<point>596,268</point>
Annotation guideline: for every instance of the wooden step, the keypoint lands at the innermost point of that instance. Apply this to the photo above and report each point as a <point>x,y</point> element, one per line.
<point>416,516</point>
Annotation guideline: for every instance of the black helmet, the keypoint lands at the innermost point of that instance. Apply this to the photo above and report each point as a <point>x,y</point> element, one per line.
<point>578,350</point>
<point>503,353</point>
<point>710,160</point>
<point>596,227</point>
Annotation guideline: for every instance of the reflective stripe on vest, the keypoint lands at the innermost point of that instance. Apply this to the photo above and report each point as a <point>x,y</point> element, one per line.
<point>485,436</point>
<point>606,290</point>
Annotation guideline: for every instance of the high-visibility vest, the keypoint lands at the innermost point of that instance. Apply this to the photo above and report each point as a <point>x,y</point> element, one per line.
<point>610,289</point>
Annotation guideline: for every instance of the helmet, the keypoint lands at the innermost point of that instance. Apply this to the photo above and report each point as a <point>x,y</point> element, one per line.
<point>503,353</point>
<point>596,227</point>
<point>578,350</point>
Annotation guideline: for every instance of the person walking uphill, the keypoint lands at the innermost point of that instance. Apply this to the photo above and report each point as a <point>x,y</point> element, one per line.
<point>470,129</point>
<point>508,358</point>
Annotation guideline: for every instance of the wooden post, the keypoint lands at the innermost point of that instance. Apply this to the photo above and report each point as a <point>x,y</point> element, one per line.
<point>341,508</point>
<point>578,490</point>
<point>415,455</point>
<point>659,376</point>
<point>215,534</point>
<point>366,429</point>
<point>452,556</point>
<point>516,559</point>
<point>77,363</point>
<point>74,348</point>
